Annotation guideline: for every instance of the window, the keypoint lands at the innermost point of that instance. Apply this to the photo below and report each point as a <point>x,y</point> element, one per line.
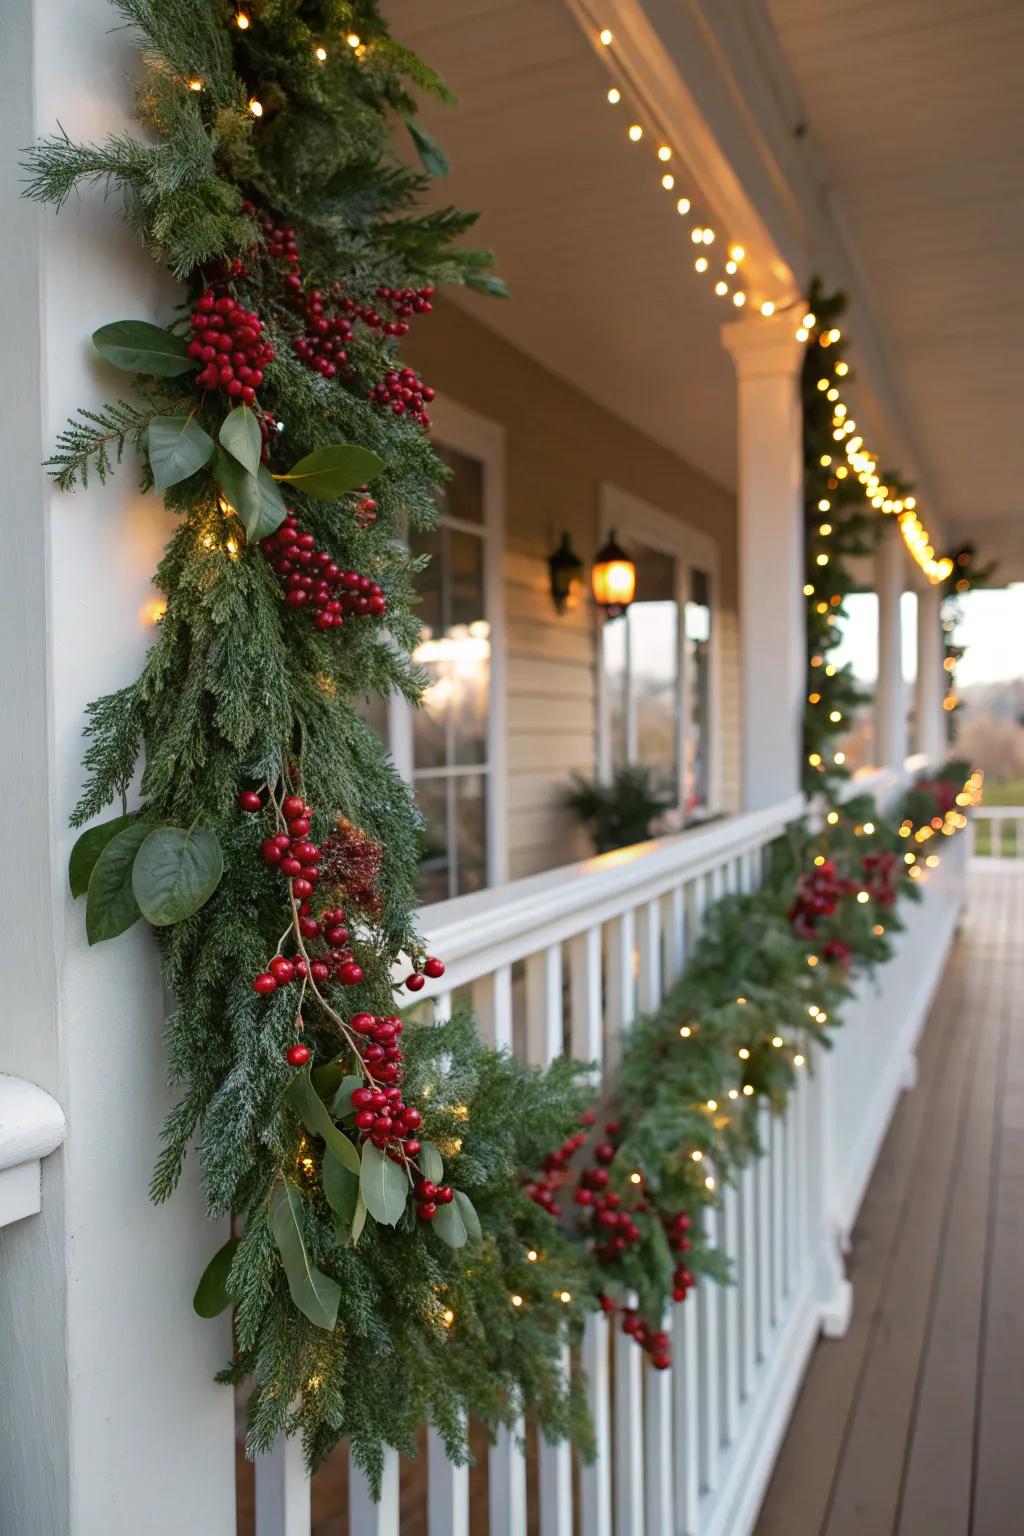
<point>857,625</point>
<point>451,748</point>
<point>655,672</point>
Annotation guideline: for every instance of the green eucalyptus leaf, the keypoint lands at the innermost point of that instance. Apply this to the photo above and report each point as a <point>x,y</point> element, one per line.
<point>240,435</point>
<point>359,1219</point>
<point>315,1117</point>
<point>430,152</point>
<point>384,1185</point>
<point>255,498</point>
<point>87,850</point>
<point>470,1219</point>
<point>342,1104</point>
<point>431,1162</point>
<point>325,1079</point>
<point>176,447</point>
<point>175,873</point>
<point>327,473</point>
<point>212,1297</point>
<point>110,904</point>
<point>341,1190</point>
<point>135,346</point>
<point>449,1225</point>
<point>315,1294</point>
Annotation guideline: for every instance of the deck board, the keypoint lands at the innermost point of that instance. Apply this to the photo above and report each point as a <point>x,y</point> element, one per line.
<point>909,1426</point>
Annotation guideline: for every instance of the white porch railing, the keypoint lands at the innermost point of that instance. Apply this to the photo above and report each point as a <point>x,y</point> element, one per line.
<point>31,1127</point>
<point>998,831</point>
<point>566,961</point>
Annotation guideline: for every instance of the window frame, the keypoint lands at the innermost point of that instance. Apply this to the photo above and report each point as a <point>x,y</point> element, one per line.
<point>633,518</point>
<point>455,426</point>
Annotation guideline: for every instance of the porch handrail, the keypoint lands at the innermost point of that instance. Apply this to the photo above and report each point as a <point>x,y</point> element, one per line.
<point>31,1127</point>
<point>505,920</point>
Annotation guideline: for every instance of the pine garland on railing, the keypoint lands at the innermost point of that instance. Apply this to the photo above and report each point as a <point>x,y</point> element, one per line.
<point>403,1254</point>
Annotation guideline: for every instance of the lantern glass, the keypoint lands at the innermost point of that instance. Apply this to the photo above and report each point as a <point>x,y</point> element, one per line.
<point>613,579</point>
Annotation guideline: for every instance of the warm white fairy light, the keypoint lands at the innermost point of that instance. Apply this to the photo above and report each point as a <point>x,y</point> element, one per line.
<point>606,37</point>
<point>614,95</point>
<point>636,132</point>
<point>255,107</point>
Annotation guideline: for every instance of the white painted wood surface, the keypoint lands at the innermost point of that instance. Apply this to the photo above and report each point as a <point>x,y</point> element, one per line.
<point>31,1127</point>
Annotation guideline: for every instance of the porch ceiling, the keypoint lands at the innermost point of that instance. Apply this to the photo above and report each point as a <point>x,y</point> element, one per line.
<point>597,260</point>
<point>914,108</point>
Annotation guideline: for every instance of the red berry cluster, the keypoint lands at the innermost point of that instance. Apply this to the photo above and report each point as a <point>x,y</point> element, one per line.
<point>228,342</point>
<point>313,580</point>
<point>654,1342</point>
<point>543,1189</point>
<point>402,390</point>
<point>429,1196</point>
<point>817,895</point>
<point>881,874</point>
<point>838,952</point>
<point>677,1230</point>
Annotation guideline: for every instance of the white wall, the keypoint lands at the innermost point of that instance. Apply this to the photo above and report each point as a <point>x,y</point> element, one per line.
<point>108,1413</point>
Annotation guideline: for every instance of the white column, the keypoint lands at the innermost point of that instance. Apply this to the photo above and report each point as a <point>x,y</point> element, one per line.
<point>770,556</point>
<point>109,1415</point>
<point>931,684</point>
<point>891,693</point>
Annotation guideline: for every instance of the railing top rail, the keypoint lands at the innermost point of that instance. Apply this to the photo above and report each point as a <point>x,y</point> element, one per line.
<point>31,1122</point>
<point>593,889</point>
<point>998,812</point>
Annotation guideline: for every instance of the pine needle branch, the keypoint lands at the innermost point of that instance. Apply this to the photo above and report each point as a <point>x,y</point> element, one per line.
<point>101,436</point>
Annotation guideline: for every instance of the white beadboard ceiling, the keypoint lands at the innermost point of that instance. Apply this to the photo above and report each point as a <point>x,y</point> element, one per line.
<point>598,262</point>
<point>914,107</point>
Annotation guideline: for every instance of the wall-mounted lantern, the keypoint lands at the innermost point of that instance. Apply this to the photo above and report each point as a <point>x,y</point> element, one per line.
<point>565,567</point>
<point>613,579</point>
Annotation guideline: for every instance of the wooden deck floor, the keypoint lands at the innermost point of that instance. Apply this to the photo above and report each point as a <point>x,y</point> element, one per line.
<point>913,1424</point>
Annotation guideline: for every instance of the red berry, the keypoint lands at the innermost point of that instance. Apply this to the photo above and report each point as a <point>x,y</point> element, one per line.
<point>297,1055</point>
<point>426,1210</point>
<point>445,1195</point>
<point>270,851</point>
<point>411,1146</point>
<point>661,1361</point>
<point>298,826</point>
<point>362,1023</point>
<point>336,936</point>
<point>302,888</point>
<point>415,982</point>
<point>249,800</point>
<point>282,969</point>
<point>413,1118</point>
<point>291,866</point>
<point>433,967</point>
<point>362,1098</point>
<point>291,805</point>
<point>349,973</point>
<point>366,1119</point>
<point>319,971</point>
<point>426,1189</point>
<point>264,983</point>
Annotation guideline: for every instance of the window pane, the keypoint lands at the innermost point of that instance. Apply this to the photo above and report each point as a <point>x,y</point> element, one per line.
<point>858,646</point>
<point>654,662</point>
<point>463,495</point>
<point>613,661</point>
<point>471,821</point>
<point>698,673</point>
<point>431,796</point>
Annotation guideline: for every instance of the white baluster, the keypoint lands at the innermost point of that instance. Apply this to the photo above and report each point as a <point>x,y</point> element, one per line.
<point>506,1483</point>
<point>596,1479</point>
<point>746,1278</point>
<point>544,1005</point>
<point>492,1005</point>
<point>441,1006</point>
<point>586,1022</point>
<point>729,1311</point>
<point>778,1208</point>
<point>283,1490</point>
<point>686,1414</point>
<point>762,1174</point>
<point>447,1491</point>
<point>674,925</point>
<point>658,1445</point>
<point>791,1136</point>
<point>366,1518</point>
<point>620,1006</point>
<point>554,1479</point>
<point>629,1431</point>
<point>708,1298</point>
<point>649,947</point>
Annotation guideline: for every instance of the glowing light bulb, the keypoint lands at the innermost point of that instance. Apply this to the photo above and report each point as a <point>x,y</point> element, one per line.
<point>743,1053</point>
<point>636,1178</point>
<point>721,288</point>
<point>697,1155</point>
<point>697,235</point>
<point>532,1255</point>
<point>801,334</point>
<point>606,36</point>
<point>255,107</point>
<point>798,1061</point>
<point>739,299</point>
<point>778,1041</point>
<point>701,264</point>
<point>565,1297</point>
<point>320,54</point>
<point>809,320</point>
<point>686,1031</point>
<point>243,21</point>
<point>682,205</point>
<point>737,252</point>
<point>668,181</point>
<point>447,1317</point>
<point>664,152</point>
<point>767,308</point>
<point>516,1301</point>
<point>354,40</point>
<point>614,95</point>
<point>748,1090</point>
<point>195,84</point>
<point>708,236</point>
<point>636,133</point>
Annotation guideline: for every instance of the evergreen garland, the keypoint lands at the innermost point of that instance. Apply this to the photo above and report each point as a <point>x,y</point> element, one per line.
<point>270,190</point>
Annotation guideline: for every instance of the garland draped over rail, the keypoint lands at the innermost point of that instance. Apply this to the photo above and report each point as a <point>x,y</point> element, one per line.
<point>405,1250</point>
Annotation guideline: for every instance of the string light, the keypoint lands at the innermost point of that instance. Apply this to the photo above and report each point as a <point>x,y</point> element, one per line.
<point>664,152</point>
<point>565,1297</point>
<point>532,1255</point>
<point>636,133</point>
<point>195,84</point>
<point>354,40</point>
<point>516,1300</point>
<point>614,95</point>
<point>255,107</point>
<point>243,21</point>
<point>685,1031</point>
<point>320,54</point>
<point>447,1317</point>
<point>606,37</point>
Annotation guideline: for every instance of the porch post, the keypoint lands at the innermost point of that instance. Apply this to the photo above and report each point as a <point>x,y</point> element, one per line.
<point>111,1419</point>
<point>771,541</point>
<point>891,695</point>
<point>931,723</point>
